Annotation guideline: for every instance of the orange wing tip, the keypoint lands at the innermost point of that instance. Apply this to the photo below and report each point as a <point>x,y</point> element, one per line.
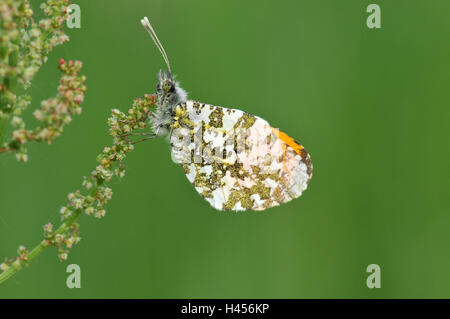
<point>299,149</point>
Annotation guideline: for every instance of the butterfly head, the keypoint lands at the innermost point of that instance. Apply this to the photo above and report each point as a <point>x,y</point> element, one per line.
<point>169,92</point>
<point>166,84</point>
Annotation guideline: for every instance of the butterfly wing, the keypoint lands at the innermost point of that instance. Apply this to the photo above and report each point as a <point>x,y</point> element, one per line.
<point>235,160</point>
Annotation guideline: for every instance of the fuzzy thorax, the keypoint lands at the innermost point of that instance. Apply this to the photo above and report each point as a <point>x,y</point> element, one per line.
<point>169,94</point>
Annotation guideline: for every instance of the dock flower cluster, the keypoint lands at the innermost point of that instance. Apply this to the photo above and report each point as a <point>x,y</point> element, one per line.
<point>54,113</point>
<point>24,47</point>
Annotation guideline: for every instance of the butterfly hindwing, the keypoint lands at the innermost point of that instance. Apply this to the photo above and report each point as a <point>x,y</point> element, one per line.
<point>235,160</point>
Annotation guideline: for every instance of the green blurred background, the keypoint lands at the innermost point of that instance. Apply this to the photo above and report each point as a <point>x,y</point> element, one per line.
<point>371,106</point>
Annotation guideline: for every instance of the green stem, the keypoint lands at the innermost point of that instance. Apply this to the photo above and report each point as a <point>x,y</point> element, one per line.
<point>3,126</point>
<point>19,263</point>
<point>9,82</point>
<point>36,251</point>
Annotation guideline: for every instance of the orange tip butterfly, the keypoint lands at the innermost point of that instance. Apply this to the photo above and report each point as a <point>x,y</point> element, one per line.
<point>235,160</point>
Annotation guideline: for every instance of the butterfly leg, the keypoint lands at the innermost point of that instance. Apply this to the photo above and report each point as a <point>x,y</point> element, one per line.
<point>127,136</point>
<point>138,133</point>
<point>144,139</point>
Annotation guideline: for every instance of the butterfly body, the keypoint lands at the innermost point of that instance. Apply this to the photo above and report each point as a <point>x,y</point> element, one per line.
<point>235,160</point>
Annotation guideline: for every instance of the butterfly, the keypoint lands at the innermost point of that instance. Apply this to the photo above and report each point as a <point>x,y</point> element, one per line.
<point>235,160</point>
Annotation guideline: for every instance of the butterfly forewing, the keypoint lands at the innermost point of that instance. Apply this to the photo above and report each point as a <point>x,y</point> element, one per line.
<point>235,160</point>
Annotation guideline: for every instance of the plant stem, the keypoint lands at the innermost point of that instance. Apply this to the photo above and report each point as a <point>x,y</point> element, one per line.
<point>3,125</point>
<point>18,264</point>
<point>36,251</point>
<point>9,82</point>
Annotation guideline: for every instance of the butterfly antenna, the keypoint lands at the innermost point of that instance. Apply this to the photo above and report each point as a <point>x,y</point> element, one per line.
<point>146,24</point>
